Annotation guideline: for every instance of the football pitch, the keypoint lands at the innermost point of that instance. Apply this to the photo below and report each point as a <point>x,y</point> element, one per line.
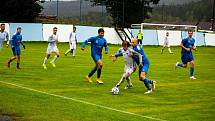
<point>63,94</point>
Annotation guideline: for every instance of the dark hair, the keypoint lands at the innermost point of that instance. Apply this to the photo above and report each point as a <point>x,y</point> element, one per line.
<point>101,30</point>
<point>55,28</point>
<point>2,24</point>
<point>126,43</point>
<point>74,27</point>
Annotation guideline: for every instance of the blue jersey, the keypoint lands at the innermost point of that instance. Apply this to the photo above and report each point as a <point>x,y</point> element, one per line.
<point>188,43</point>
<point>16,40</point>
<point>97,44</point>
<point>139,49</point>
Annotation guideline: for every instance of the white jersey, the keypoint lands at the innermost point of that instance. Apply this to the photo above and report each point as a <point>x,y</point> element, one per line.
<point>3,36</point>
<point>166,41</point>
<point>72,37</point>
<point>53,39</point>
<point>129,61</point>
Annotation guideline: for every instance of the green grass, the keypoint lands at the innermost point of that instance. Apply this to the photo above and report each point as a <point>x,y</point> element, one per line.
<point>176,98</point>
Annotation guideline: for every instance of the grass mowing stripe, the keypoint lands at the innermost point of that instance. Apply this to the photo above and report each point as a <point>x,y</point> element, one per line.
<point>81,101</point>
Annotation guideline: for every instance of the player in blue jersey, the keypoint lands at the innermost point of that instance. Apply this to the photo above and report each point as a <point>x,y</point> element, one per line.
<point>15,45</point>
<point>143,67</point>
<point>97,44</point>
<point>187,45</point>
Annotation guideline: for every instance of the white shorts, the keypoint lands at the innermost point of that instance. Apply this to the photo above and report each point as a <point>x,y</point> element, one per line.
<point>166,44</point>
<point>128,71</point>
<point>72,45</point>
<point>51,49</point>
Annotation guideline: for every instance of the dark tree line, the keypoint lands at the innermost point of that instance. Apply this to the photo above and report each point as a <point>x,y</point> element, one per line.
<point>19,10</point>
<point>127,12</point>
<point>190,12</point>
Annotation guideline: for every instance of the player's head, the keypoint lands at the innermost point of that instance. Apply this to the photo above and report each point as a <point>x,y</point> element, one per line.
<point>133,41</point>
<point>101,32</point>
<point>190,34</point>
<point>167,33</point>
<point>2,27</point>
<point>125,45</point>
<point>54,30</point>
<point>74,29</point>
<point>19,29</point>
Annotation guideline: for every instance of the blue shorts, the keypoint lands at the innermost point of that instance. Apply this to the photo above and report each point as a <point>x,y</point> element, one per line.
<point>144,68</point>
<point>96,57</point>
<point>187,58</point>
<point>16,51</point>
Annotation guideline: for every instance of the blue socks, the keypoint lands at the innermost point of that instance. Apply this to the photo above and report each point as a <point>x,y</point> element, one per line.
<point>191,71</point>
<point>99,71</point>
<point>147,83</point>
<point>92,71</point>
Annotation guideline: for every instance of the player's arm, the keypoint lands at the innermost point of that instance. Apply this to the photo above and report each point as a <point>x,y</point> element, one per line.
<point>182,45</point>
<point>116,55</point>
<point>70,37</point>
<point>86,41</point>
<point>7,40</point>
<point>50,39</point>
<point>106,47</point>
<point>21,42</point>
<point>139,55</point>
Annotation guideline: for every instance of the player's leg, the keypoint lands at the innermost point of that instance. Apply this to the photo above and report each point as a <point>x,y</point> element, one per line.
<point>169,49</point>
<point>57,55</point>
<point>99,71</point>
<point>184,60</point>
<point>163,48</point>
<point>91,73</point>
<point>12,58</point>
<point>129,72</point>
<point>45,60</point>
<point>125,75</point>
<point>69,50</point>
<point>143,71</point>
<point>74,49</point>
<point>18,62</point>
<point>192,67</point>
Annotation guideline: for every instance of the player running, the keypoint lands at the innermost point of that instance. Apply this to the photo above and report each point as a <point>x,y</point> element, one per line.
<point>3,36</point>
<point>52,48</point>
<point>187,45</point>
<point>97,44</point>
<point>143,69</point>
<point>130,65</point>
<point>72,43</point>
<point>166,44</point>
<point>15,45</point>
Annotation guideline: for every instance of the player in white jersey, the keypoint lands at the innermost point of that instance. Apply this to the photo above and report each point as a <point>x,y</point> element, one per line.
<point>166,44</point>
<point>52,48</point>
<point>3,36</point>
<point>72,43</point>
<point>130,65</point>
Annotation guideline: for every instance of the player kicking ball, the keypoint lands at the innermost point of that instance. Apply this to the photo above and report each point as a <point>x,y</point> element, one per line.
<point>143,69</point>
<point>130,65</point>
<point>187,45</point>
<point>97,44</point>
<point>15,45</point>
<point>52,48</point>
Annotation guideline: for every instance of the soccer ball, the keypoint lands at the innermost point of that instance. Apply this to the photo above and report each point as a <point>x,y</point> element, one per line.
<point>115,90</point>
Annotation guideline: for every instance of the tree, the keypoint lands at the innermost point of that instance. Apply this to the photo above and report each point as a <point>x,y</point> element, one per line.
<point>127,12</point>
<point>19,10</point>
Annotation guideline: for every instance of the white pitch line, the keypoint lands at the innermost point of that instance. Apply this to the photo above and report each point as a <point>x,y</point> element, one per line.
<point>81,101</point>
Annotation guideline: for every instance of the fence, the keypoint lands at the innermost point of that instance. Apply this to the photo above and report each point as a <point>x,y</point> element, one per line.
<point>40,32</point>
